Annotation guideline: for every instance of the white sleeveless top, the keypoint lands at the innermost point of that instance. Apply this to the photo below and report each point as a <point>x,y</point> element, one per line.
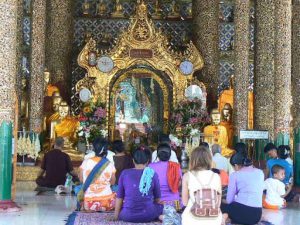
<point>205,176</point>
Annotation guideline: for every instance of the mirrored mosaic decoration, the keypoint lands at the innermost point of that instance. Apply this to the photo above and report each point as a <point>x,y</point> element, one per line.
<point>226,44</point>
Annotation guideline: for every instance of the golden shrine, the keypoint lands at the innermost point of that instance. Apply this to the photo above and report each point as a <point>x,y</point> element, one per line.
<point>141,49</point>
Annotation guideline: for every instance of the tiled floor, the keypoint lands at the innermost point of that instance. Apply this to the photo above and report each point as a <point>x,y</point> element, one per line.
<point>53,210</point>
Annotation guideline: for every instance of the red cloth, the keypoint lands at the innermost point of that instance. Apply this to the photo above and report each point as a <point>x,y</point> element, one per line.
<point>173,176</point>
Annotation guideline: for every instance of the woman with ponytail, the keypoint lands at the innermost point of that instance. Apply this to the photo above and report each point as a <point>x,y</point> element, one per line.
<point>139,194</point>
<point>245,191</point>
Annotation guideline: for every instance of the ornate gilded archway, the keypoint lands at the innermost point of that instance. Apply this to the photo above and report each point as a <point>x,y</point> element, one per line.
<point>140,45</point>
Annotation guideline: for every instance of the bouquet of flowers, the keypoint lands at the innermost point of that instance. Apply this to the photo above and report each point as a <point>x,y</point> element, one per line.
<point>92,122</point>
<point>188,118</point>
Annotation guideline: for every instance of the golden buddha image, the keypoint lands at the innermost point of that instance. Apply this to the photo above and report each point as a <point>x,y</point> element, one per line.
<point>217,134</point>
<point>101,8</point>
<point>86,8</point>
<point>66,126</point>
<point>158,11</point>
<point>118,12</point>
<point>174,11</point>
<point>226,121</point>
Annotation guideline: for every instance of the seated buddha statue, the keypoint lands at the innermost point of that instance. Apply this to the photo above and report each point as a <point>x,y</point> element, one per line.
<point>174,11</point>
<point>101,8</point>
<point>157,12</point>
<point>86,8</point>
<point>226,121</point>
<point>217,134</point>
<point>118,12</point>
<point>65,126</point>
<point>56,101</point>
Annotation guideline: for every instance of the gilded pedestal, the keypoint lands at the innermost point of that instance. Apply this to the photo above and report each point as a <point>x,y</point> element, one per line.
<point>241,76</point>
<point>206,38</point>
<point>37,65</point>
<point>282,78</point>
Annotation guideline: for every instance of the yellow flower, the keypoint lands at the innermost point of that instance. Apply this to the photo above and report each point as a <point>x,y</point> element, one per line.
<point>86,109</point>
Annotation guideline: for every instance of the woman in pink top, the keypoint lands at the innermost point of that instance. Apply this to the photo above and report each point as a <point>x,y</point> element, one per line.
<point>245,191</point>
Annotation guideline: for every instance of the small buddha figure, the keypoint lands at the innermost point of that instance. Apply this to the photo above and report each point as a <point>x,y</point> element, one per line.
<point>118,12</point>
<point>65,126</point>
<point>157,14</point>
<point>101,8</point>
<point>226,121</point>
<point>24,107</point>
<point>190,11</point>
<point>217,134</point>
<point>174,12</point>
<point>56,101</point>
<point>86,8</point>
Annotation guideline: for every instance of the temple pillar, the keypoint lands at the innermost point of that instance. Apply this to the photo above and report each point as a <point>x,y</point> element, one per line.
<point>264,73</point>
<point>37,65</point>
<point>282,78</point>
<point>206,39</point>
<point>59,39</point>
<point>8,72</point>
<point>296,86</point>
<point>241,75</point>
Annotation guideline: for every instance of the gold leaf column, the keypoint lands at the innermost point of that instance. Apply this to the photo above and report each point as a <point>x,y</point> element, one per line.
<point>264,69</point>
<point>282,79</point>
<point>20,15</point>
<point>296,63</point>
<point>241,75</point>
<point>206,39</point>
<point>59,39</point>
<point>8,58</point>
<point>296,87</point>
<point>37,64</point>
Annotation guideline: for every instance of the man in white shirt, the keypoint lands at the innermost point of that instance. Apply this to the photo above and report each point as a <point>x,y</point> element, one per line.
<point>164,139</point>
<point>220,161</point>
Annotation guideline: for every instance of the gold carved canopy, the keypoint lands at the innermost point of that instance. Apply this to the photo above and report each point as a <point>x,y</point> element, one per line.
<point>141,44</point>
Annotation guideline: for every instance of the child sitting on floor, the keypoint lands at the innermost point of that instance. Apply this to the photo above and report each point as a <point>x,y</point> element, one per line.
<point>275,189</point>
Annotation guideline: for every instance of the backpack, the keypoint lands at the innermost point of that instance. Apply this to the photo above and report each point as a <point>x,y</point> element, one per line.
<point>207,201</point>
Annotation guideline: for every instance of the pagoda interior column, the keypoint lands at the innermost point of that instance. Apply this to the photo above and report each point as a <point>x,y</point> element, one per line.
<point>296,86</point>
<point>206,39</point>
<point>264,73</point>
<point>241,76</point>
<point>59,39</point>
<point>37,65</point>
<point>282,78</point>
<point>8,72</point>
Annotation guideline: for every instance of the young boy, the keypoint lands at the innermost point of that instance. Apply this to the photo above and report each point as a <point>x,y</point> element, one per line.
<point>275,189</point>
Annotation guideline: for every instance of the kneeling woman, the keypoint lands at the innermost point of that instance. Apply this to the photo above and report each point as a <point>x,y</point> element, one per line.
<point>97,175</point>
<point>139,191</point>
<point>245,191</point>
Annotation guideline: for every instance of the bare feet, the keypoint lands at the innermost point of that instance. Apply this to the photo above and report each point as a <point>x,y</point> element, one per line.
<point>224,218</point>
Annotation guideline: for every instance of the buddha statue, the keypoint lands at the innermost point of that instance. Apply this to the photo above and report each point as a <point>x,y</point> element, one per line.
<point>174,11</point>
<point>101,8</point>
<point>66,126</point>
<point>226,121</point>
<point>190,11</point>
<point>24,107</point>
<point>227,97</point>
<point>118,12</point>
<point>86,8</point>
<point>217,134</point>
<point>157,13</point>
